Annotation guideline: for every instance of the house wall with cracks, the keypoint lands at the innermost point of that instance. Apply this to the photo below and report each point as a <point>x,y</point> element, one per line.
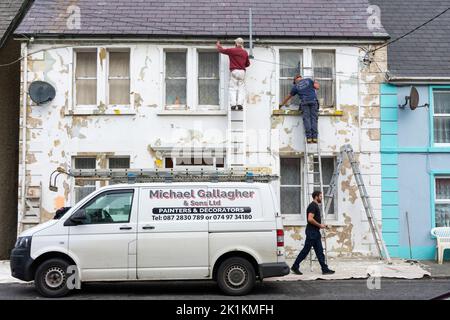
<point>57,132</point>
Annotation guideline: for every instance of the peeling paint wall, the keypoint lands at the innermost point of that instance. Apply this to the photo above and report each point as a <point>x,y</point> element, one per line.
<point>56,133</point>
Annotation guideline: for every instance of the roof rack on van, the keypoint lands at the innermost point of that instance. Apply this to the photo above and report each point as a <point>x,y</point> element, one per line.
<point>247,174</point>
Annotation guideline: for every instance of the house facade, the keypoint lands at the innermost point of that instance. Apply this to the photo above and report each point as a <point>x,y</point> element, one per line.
<point>139,95</point>
<point>415,144</point>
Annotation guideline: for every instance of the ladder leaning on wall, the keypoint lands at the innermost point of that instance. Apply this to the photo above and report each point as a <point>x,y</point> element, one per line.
<point>237,137</point>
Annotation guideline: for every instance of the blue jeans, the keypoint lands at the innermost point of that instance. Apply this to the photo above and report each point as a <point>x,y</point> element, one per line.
<point>310,119</point>
<point>313,240</point>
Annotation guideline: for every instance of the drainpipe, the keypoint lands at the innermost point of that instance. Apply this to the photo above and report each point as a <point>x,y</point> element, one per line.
<point>24,135</point>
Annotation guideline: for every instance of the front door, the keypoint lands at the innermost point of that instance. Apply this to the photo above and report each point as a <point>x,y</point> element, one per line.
<point>105,244</point>
<point>172,241</point>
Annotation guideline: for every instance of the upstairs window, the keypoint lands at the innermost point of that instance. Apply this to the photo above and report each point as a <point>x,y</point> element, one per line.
<point>291,63</point>
<point>119,77</point>
<point>86,78</point>
<point>441,116</point>
<point>208,79</point>
<point>175,78</point>
<point>324,71</point>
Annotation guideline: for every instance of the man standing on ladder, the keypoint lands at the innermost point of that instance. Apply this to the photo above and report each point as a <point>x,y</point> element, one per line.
<point>313,236</point>
<point>306,90</point>
<point>239,61</point>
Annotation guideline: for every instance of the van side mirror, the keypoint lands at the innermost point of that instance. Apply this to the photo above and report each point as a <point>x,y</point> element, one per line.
<point>77,218</point>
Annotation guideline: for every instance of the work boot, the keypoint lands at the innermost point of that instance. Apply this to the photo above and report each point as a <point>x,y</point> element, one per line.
<point>296,271</point>
<point>309,140</point>
<point>328,271</point>
<point>240,108</point>
<point>314,140</point>
<point>233,108</point>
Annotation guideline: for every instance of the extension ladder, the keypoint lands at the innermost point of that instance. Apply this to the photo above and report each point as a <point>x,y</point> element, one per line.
<point>237,138</point>
<point>313,178</point>
<point>331,192</point>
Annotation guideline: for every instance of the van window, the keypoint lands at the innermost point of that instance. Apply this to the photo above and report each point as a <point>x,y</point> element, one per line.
<point>110,207</point>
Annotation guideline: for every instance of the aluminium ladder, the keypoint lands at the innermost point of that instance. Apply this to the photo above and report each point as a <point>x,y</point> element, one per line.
<point>331,192</point>
<point>237,137</point>
<point>314,181</point>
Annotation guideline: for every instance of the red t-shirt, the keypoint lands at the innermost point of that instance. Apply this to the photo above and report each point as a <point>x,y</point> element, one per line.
<point>238,58</point>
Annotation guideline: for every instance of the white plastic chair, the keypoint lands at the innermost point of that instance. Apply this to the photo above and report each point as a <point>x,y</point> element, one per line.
<point>442,235</point>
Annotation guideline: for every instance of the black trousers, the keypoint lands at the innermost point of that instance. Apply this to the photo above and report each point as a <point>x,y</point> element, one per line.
<point>313,240</point>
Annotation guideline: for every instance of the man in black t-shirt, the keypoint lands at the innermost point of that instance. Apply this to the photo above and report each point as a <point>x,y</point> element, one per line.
<point>313,236</point>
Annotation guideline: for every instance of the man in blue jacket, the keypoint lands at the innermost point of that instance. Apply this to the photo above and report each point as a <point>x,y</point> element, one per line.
<point>306,90</point>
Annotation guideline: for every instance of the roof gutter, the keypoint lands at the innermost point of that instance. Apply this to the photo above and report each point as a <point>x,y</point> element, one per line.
<point>418,80</point>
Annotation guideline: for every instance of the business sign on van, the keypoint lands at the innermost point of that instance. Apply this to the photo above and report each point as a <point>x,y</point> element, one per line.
<point>203,204</point>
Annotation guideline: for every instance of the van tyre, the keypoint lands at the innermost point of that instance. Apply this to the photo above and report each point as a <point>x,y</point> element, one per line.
<point>236,276</point>
<point>51,278</point>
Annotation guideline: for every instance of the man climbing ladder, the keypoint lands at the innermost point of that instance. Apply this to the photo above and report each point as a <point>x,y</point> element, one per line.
<point>239,61</point>
<point>306,90</point>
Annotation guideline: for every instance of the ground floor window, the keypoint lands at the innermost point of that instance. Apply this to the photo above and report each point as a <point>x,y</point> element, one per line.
<point>84,187</point>
<point>194,162</point>
<point>293,199</point>
<point>442,202</point>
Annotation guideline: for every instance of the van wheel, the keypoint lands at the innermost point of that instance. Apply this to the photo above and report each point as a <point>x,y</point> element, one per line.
<point>51,277</point>
<point>236,276</point>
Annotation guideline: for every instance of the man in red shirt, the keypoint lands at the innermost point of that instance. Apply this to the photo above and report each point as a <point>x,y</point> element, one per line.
<point>239,61</point>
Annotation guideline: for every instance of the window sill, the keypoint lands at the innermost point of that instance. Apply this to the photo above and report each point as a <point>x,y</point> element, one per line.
<point>95,111</point>
<point>192,113</point>
<point>322,112</point>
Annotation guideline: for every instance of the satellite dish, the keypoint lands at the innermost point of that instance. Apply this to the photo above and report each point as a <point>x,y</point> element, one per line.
<point>41,92</point>
<point>414,98</point>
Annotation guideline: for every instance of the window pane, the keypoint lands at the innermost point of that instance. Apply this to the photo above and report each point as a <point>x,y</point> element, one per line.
<point>208,92</point>
<point>86,92</point>
<point>86,64</point>
<point>443,189</point>
<point>442,129</point>
<point>176,92</point>
<point>110,208</point>
<point>195,161</point>
<point>327,170</point>
<point>290,200</point>
<point>119,64</point>
<point>175,64</point>
<point>442,102</point>
<point>324,68</point>
<point>85,163</point>
<point>290,63</point>
<point>208,65</point>
<point>442,215</point>
<point>290,171</point>
<point>82,192</point>
<point>119,92</point>
<point>119,163</point>
<point>326,93</point>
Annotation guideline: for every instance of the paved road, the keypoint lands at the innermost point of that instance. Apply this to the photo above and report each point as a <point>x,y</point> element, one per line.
<point>321,289</point>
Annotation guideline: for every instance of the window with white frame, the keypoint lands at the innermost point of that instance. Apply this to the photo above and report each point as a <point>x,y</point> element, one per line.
<point>84,187</point>
<point>292,200</point>
<point>324,70</point>
<point>442,202</point>
<point>176,79</point>
<point>89,78</point>
<point>291,63</point>
<point>441,116</point>
<point>86,78</point>
<point>208,78</point>
<point>119,77</point>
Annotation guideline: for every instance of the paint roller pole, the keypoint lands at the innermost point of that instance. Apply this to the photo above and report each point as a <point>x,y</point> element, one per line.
<point>250,31</point>
<point>409,238</point>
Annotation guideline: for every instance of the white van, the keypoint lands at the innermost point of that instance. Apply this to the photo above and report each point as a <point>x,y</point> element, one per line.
<point>228,232</point>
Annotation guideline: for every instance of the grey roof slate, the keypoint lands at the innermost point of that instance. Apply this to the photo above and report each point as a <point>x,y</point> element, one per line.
<point>281,18</point>
<point>426,52</point>
<point>9,9</point>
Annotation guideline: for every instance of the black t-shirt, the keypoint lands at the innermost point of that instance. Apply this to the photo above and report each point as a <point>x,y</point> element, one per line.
<point>313,208</point>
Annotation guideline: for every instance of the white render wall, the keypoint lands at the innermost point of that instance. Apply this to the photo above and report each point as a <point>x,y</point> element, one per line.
<point>55,134</point>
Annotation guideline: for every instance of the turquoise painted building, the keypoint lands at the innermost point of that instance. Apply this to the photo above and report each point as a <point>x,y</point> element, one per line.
<point>415,144</point>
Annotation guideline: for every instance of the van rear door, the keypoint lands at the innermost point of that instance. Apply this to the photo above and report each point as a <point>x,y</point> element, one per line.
<point>172,238</point>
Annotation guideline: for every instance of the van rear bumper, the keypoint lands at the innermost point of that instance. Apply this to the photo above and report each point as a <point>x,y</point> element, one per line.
<point>268,270</point>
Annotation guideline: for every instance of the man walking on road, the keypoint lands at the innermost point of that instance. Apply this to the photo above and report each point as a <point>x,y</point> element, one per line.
<point>306,90</point>
<point>313,236</point>
<point>239,61</point>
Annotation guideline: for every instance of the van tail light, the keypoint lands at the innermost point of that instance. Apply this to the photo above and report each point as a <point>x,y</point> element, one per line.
<point>280,238</point>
